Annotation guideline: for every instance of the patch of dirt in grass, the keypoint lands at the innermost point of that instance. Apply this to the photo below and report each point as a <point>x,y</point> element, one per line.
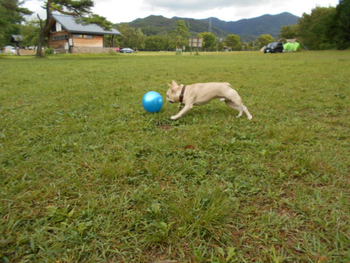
<point>190,147</point>
<point>165,127</point>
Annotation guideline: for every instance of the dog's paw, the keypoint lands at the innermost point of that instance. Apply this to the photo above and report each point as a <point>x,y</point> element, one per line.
<point>173,118</point>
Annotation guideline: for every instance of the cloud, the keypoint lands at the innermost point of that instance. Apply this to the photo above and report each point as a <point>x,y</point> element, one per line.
<point>200,5</point>
<point>229,10</point>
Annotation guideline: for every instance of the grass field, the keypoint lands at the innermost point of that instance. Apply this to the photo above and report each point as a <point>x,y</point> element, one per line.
<point>88,176</point>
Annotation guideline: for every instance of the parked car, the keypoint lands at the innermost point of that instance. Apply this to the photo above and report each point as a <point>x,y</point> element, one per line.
<point>126,50</point>
<point>9,50</point>
<point>274,47</point>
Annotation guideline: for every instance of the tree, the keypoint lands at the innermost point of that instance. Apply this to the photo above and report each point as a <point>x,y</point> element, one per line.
<point>209,41</point>
<point>316,30</point>
<point>155,43</point>
<point>264,39</point>
<point>131,37</point>
<point>30,32</point>
<point>11,15</point>
<point>289,32</point>
<point>250,45</point>
<point>342,24</point>
<point>69,7</point>
<point>181,34</point>
<point>234,42</point>
<point>99,20</point>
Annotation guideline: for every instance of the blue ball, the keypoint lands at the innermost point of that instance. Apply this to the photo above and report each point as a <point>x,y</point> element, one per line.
<point>152,101</point>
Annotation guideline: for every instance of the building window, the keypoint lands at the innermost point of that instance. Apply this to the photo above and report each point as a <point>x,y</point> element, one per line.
<point>58,27</point>
<point>88,36</point>
<point>83,36</point>
<point>60,37</point>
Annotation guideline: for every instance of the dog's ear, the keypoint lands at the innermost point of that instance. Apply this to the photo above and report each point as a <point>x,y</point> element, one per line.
<point>170,86</point>
<point>174,86</point>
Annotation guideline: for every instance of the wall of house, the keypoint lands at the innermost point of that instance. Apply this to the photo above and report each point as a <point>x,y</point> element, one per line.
<point>58,39</point>
<point>92,50</point>
<point>94,41</point>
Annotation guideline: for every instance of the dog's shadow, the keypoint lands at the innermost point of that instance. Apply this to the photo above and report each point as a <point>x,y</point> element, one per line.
<point>210,112</point>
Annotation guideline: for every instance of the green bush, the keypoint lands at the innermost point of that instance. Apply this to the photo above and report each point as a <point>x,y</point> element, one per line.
<point>49,51</point>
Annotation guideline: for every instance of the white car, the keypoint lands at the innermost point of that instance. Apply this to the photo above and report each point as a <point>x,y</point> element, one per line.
<point>126,50</point>
<point>9,50</point>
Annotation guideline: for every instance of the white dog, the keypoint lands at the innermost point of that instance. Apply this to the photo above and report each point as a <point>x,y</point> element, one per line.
<point>202,93</point>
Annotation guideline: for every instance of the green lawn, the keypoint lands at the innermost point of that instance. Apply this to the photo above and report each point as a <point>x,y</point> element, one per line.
<point>88,176</point>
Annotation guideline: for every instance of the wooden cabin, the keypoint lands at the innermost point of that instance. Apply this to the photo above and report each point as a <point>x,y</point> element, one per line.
<point>68,34</point>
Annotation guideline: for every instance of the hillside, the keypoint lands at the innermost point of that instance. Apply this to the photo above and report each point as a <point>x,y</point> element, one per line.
<point>156,25</point>
<point>253,27</point>
<point>246,28</point>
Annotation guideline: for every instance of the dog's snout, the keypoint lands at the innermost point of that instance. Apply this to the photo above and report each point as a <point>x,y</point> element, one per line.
<point>168,99</point>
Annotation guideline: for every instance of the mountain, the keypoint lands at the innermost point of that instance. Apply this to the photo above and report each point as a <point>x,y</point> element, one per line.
<point>254,27</point>
<point>157,25</point>
<point>247,28</point>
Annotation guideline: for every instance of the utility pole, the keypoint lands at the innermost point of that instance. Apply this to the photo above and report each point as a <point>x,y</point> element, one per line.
<point>210,26</point>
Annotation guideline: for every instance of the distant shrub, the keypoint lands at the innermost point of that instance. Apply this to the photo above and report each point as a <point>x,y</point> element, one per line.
<point>112,52</point>
<point>49,51</point>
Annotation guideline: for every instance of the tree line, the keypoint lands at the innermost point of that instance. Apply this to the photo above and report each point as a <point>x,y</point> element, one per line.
<point>323,28</point>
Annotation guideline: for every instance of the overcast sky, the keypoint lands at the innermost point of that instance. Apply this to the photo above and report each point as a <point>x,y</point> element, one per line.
<point>229,10</point>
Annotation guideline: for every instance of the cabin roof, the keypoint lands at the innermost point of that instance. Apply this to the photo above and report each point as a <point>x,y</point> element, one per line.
<point>71,24</point>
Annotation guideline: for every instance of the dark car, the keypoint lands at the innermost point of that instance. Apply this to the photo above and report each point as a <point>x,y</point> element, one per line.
<point>126,50</point>
<point>274,47</point>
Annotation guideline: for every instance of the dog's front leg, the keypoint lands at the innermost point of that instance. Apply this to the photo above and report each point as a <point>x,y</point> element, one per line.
<point>182,112</point>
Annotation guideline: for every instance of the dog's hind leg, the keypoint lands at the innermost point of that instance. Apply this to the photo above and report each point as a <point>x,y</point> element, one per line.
<point>246,111</point>
<point>240,108</point>
<point>234,106</point>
